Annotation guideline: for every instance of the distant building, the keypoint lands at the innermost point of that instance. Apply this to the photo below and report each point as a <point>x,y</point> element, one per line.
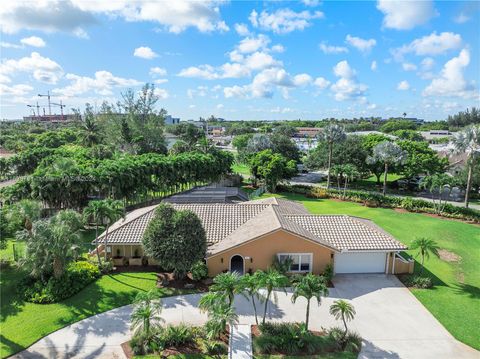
<point>169,120</point>
<point>303,132</point>
<point>216,131</point>
<point>435,134</point>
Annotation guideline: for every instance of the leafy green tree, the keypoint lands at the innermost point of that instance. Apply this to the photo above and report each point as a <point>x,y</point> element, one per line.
<point>272,168</point>
<point>395,125</point>
<point>285,146</point>
<point>387,154</point>
<point>425,247</point>
<point>91,131</point>
<point>341,309</point>
<point>176,239</point>
<point>258,143</point>
<point>146,312</point>
<point>23,213</point>
<point>465,118</point>
<point>285,130</point>
<point>409,135</point>
<point>270,280</point>
<point>332,134</point>
<point>420,159</point>
<point>468,142</point>
<point>309,286</point>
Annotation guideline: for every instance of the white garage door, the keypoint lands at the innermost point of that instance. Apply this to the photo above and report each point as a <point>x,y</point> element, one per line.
<point>360,262</point>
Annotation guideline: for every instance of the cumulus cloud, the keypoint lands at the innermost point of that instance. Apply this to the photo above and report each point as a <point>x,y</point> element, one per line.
<point>430,45</point>
<point>373,66</point>
<point>102,83</point>
<point>405,15</point>
<point>329,49</point>
<point>145,53</point>
<point>283,21</point>
<point>407,66</point>
<point>242,29</point>
<point>252,44</point>
<point>161,93</point>
<point>321,83</point>
<point>403,85</point>
<point>34,41</point>
<point>451,80</point>
<point>347,87</point>
<point>158,71</point>
<point>15,90</point>
<point>461,18</point>
<point>360,44</point>
<point>42,68</point>
<point>74,15</point>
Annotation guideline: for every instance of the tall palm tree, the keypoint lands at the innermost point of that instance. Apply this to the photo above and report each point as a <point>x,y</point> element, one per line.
<point>249,287</point>
<point>115,211</point>
<point>341,309</point>
<point>468,142</point>
<point>425,246</point>
<point>270,280</point>
<point>96,212</point>
<point>228,284</point>
<point>332,134</point>
<point>309,286</point>
<point>350,173</point>
<point>388,154</point>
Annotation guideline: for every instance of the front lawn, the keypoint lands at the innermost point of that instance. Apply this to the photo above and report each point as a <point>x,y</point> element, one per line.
<point>455,298</point>
<point>24,323</point>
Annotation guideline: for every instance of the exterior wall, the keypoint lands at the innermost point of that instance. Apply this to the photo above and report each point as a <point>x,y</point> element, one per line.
<point>126,250</point>
<point>262,250</point>
<point>401,266</point>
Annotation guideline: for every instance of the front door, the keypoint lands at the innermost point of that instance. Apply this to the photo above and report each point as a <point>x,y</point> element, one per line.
<point>236,264</point>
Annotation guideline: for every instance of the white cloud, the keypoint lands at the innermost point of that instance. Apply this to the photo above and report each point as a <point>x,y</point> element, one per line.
<point>283,21</point>
<point>144,52</point>
<point>461,18</point>
<point>403,85</point>
<point>372,106</point>
<point>220,106</point>
<point>34,41</point>
<point>312,3</point>
<point>42,68</point>
<point>405,15</point>
<point>281,110</point>
<point>451,81</point>
<point>242,29</point>
<point>15,90</point>
<point>72,16</point>
<point>252,44</point>
<point>430,45</point>
<point>203,71</point>
<point>407,66</point>
<point>373,66</point>
<point>427,63</point>
<point>321,83</point>
<point>236,91</point>
<point>158,71</point>
<point>160,81</point>
<point>362,45</point>
<point>347,87</point>
<point>102,83</point>
<point>161,93</point>
<point>9,45</point>
<point>329,49</point>
<point>278,48</point>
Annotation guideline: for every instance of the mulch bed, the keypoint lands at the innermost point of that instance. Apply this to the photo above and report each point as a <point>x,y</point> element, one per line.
<point>186,283</point>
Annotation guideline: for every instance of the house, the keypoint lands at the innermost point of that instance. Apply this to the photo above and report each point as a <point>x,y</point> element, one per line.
<point>246,236</point>
<point>169,120</point>
<point>307,132</point>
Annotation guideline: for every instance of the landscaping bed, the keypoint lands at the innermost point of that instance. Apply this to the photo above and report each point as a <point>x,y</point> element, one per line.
<point>168,280</point>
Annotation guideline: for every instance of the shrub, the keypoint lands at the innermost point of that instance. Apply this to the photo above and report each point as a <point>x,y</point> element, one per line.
<point>328,273</point>
<point>175,336</point>
<point>352,341</point>
<point>76,277</point>
<point>142,344</point>
<point>215,348</point>
<point>199,271</point>
<point>418,281</point>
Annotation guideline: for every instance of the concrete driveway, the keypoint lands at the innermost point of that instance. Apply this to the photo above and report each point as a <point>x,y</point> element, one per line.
<point>391,321</point>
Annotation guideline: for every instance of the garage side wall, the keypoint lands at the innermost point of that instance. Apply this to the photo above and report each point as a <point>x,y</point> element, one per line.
<point>262,250</point>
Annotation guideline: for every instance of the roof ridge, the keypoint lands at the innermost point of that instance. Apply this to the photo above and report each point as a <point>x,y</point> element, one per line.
<point>131,221</point>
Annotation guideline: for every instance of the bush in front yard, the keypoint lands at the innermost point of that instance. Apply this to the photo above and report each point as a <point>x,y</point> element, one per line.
<point>417,281</point>
<point>76,277</point>
<point>199,271</point>
<point>351,343</point>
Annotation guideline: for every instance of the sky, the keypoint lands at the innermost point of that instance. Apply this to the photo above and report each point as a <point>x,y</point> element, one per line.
<point>245,60</point>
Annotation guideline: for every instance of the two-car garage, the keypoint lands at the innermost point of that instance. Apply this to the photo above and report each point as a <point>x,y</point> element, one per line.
<point>360,262</point>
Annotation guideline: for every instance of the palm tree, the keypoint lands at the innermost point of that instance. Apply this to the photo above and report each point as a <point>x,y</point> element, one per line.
<point>350,173</point>
<point>332,134</point>
<point>425,247</point>
<point>144,316</point>
<point>249,287</point>
<point>270,280</point>
<point>27,211</point>
<point>228,284</point>
<point>388,154</point>
<point>341,309</point>
<point>218,318</point>
<point>115,211</point>
<point>97,212</point>
<point>309,286</point>
<point>468,142</point>
<point>439,183</point>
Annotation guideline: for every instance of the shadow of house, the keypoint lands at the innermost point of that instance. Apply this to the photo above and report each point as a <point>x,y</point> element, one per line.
<point>371,351</point>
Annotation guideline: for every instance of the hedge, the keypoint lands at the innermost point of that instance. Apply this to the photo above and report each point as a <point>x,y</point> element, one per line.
<point>371,199</point>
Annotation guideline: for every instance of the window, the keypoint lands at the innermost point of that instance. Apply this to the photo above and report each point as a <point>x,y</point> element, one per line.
<point>300,262</point>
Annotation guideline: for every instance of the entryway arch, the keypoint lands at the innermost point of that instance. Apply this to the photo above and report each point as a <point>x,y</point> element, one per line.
<point>237,264</point>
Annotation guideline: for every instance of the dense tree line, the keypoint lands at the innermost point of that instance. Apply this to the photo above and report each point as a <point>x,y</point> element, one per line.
<point>465,118</point>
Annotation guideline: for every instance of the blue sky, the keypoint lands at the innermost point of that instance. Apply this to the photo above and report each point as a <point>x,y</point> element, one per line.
<point>245,60</point>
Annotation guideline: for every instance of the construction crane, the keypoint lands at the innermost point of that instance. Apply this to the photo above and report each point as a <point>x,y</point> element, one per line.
<point>49,104</point>
<point>61,105</point>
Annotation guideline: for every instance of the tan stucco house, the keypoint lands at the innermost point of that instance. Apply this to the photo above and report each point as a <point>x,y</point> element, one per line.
<point>246,236</point>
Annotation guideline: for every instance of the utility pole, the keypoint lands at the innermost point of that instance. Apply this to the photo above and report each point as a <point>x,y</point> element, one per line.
<point>49,105</point>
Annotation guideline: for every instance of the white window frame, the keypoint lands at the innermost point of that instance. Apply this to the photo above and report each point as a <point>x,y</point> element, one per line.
<point>310,263</point>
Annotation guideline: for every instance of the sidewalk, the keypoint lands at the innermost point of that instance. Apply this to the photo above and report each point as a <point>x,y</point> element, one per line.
<point>240,342</point>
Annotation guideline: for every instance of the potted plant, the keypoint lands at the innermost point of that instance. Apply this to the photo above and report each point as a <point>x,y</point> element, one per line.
<point>136,260</point>
<point>118,260</point>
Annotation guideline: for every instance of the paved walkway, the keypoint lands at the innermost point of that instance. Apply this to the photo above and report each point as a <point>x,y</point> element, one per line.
<point>392,322</point>
<point>240,342</point>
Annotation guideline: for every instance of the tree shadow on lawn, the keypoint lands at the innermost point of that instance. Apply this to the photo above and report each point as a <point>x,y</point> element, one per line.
<point>466,289</point>
<point>11,301</point>
<point>11,345</point>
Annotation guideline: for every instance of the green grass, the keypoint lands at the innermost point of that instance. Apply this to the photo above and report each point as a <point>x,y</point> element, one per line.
<point>455,298</point>
<point>24,323</point>
<point>241,168</point>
